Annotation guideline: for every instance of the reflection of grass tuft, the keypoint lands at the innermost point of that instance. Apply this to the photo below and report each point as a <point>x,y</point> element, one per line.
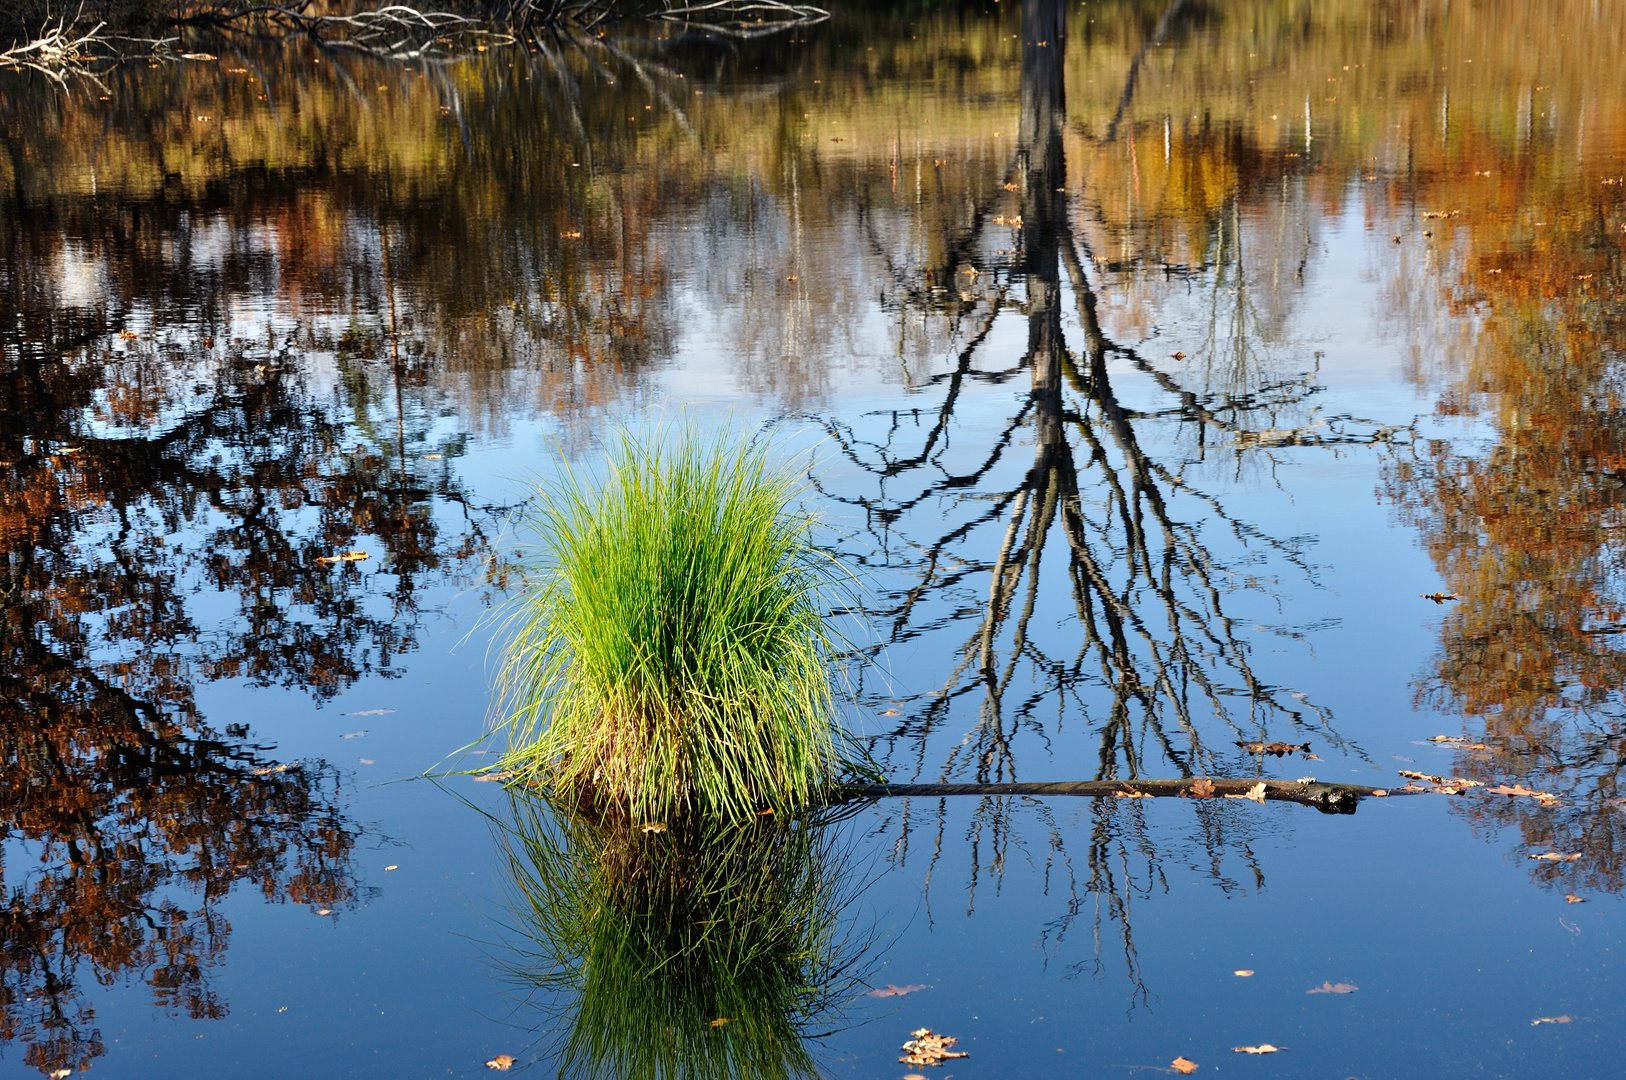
<point>669,652</point>
<point>641,942</point>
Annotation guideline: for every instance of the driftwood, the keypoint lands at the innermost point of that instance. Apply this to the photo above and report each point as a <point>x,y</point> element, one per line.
<point>1326,797</point>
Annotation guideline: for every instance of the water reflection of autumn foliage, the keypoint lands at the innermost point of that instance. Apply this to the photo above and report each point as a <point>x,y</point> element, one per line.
<point>1510,290</point>
<point>138,476</point>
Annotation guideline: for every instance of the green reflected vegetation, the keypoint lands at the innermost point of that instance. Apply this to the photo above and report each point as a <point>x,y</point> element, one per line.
<point>637,942</point>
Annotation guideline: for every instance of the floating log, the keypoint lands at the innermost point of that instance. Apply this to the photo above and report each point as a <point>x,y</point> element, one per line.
<point>1329,798</point>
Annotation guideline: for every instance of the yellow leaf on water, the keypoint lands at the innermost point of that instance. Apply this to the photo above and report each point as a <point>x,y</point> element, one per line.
<point>1571,898</point>
<point>502,1063</point>
<point>348,556</point>
<point>1181,1065</point>
<point>1262,1048</point>
<point>721,1020</point>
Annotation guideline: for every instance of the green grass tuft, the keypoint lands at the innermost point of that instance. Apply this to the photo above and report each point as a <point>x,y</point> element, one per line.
<point>669,652</point>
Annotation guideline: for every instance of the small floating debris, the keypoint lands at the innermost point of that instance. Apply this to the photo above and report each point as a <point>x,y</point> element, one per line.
<point>653,827</point>
<point>1333,988</point>
<point>1183,1065</point>
<point>1255,793</point>
<point>896,991</point>
<point>348,556</point>
<point>270,769</point>
<point>928,1049</point>
<point>1262,1048</point>
<point>502,774</point>
<point>1555,856</point>
<point>502,1063</point>
<point>1278,749</point>
<point>1437,597</point>
<point>1566,1018</point>
<point>1545,798</point>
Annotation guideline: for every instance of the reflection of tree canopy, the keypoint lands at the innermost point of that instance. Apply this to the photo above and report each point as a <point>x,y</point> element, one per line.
<point>640,940</point>
<point>140,475</point>
<point>1525,526</point>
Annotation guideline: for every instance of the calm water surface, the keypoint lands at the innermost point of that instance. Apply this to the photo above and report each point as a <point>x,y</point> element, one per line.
<point>1150,362</point>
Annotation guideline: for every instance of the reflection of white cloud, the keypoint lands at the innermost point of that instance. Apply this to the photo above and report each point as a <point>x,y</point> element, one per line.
<point>79,278</point>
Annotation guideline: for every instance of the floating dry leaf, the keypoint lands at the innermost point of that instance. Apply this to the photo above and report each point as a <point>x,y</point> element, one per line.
<point>269,769</point>
<point>354,735</point>
<point>1243,972</point>
<point>891,712</point>
<point>324,911</point>
<point>1130,793</point>
<point>1256,793</point>
<point>1181,1065</point>
<point>1520,789</point>
<point>501,774</point>
<point>369,712</point>
<point>348,556</point>
<point>1566,1018</point>
<point>1333,988</point>
<point>1446,738</point>
<point>1262,1048</point>
<point>1279,749</point>
<point>1571,898</point>
<point>1202,788</point>
<point>502,1063</point>
<point>653,826</point>
<point>721,1020</point>
<point>58,1074</point>
<point>1178,355</point>
<point>913,1076</point>
<point>392,866</point>
<point>1553,856</point>
<point>1438,597</point>
<point>1421,776</point>
<point>928,1049</point>
<point>896,991</point>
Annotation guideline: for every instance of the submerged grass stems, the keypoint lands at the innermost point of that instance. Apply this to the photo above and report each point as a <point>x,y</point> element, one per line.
<point>670,651</point>
<point>637,942</point>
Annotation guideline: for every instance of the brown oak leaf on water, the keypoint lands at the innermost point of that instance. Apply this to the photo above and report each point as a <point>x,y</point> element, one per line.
<point>928,1049</point>
<point>1202,788</point>
<point>1182,1065</point>
<point>1333,988</point>
<point>1520,789</point>
<point>502,1063</point>
<point>1277,749</point>
<point>896,991</point>
<point>1571,898</point>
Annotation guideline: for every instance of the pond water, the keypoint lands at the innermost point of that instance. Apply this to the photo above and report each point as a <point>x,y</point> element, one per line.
<point>1150,363</point>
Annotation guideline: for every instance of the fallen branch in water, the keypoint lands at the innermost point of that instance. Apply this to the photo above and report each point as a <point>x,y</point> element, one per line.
<point>1326,797</point>
<point>743,18</point>
<point>59,51</point>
